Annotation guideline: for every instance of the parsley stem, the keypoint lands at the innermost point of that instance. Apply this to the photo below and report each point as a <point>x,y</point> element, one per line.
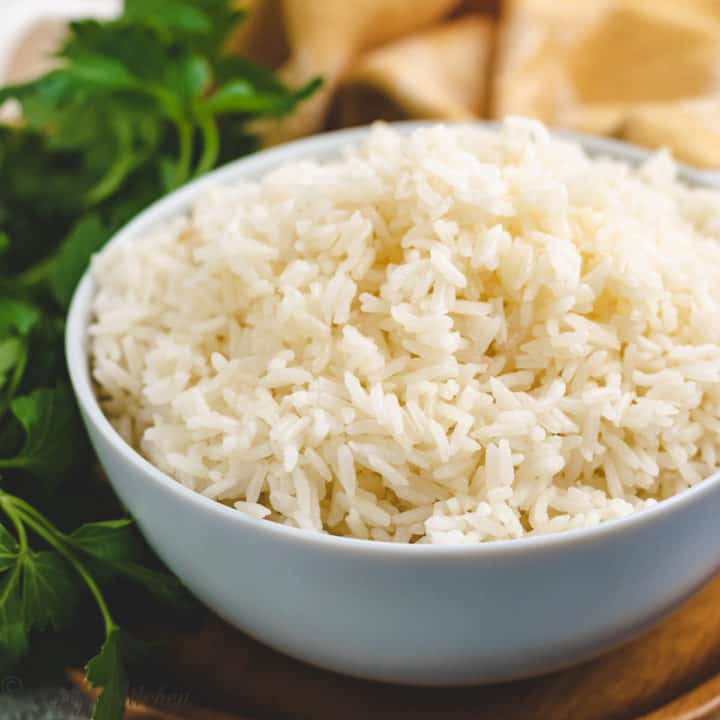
<point>119,169</point>
<point>12,462</point>
<point>12,384</point>
<point>12,513</point>
<point>16,521</point>
<point>10,583</point>
<point>37,273</point>
<point>182,169</point>
<point>211,145</point>
<point>112,180</point>
<point>48,532</point>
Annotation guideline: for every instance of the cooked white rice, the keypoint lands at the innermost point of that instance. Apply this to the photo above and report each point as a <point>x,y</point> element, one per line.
<point>454,336</point>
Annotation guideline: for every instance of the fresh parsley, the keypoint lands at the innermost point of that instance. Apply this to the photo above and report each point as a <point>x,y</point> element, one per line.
<point>136,107</point>
<point>40,589</point>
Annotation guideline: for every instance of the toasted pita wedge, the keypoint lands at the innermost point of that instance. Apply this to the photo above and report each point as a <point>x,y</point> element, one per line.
<point>612,66</point>
<point>438,73</point>
<point>324,37</point>
<point>690,129</point>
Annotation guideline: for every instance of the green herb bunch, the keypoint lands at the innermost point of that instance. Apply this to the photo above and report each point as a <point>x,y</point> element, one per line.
<point>136,107</point>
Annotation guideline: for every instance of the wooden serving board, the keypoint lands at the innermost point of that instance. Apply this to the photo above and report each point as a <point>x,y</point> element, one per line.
<point>667,674</point>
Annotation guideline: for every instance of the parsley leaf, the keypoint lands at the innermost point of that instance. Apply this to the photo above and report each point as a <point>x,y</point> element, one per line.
<point>17,319</point>
<point>115,545</point>
<point>163,586</point>
<point>8,550</point>
<point>13,630</point>
<point>202,24</point>
<point>17,316</point>
<point>241,96</point>
<point>168,15</point>
<point>42,194</point>
<point>108,541</point>
<point>136,107</point>
<point>71,260</point>
<point>107,670</point>
<point>46,359</point>
<point>49,591</point>
<point>13,356</point>
<point>10,353</point>
<point>52,429</point>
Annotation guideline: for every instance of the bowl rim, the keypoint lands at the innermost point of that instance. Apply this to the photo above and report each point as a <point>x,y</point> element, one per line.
<point>178,202</point>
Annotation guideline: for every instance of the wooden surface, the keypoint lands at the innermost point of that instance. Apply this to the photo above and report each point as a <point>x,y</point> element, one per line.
<point>667,674</point>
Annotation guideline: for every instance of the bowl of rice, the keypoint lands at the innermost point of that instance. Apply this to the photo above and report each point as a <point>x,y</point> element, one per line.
<point>430,404</point>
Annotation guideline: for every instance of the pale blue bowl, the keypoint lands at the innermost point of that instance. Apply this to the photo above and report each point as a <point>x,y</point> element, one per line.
<point>421,614</point>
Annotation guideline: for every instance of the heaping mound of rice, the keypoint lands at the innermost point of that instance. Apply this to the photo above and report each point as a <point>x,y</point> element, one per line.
<point>453,336</point>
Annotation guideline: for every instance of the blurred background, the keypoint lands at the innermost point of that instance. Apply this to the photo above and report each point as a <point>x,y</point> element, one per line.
<point>647,71</point>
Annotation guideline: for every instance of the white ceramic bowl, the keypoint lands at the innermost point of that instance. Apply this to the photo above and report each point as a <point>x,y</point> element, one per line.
<point>421,614</point>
